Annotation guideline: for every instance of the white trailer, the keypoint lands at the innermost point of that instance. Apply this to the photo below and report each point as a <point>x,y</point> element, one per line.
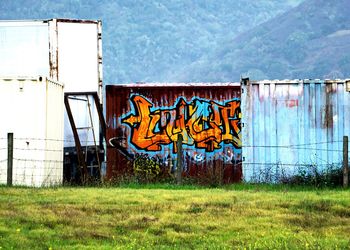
<point>65,50</point>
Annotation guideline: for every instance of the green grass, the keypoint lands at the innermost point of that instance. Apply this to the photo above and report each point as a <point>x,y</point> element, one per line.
<point>172,217</point>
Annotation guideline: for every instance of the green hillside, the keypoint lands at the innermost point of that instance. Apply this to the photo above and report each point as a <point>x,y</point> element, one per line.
<point>311,40</point>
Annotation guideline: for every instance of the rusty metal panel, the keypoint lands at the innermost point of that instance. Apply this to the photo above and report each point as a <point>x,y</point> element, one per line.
<point>144,121</point>
<point>289,125</point>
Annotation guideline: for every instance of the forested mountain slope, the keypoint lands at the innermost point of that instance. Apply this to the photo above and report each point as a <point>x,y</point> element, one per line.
<point>311,40</point>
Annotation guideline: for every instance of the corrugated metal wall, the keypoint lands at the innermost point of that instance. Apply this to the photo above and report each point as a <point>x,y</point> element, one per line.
<point>53,170</point>
<point>288,125</point>
<point>144,120</point>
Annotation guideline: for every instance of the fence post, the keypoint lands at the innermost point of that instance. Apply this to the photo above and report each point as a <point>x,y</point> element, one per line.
<point>345,162</point>
<point>9,158</point>
<point>179,159</point>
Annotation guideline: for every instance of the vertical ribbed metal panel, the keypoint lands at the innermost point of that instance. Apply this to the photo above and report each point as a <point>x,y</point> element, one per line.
<point>290,125</point>
<point>53,171</point>
<point>144,120</point>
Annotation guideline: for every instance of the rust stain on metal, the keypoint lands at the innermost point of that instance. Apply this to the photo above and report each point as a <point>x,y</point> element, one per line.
<point>67,20</point>
<point>292,103</point>
<point>347,85</point>
<point>328,120</point>
<point>99,58</point>
<point>53,49</point>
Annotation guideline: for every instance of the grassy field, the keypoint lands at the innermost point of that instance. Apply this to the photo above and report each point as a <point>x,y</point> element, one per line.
<point>168,217</point>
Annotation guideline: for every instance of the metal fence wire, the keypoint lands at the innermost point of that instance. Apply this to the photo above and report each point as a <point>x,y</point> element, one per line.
<point>40,162</point>
<point>31,161</point>
<point>285,163</point>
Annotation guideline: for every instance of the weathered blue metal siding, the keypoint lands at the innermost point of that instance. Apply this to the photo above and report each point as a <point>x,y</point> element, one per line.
<point>292,124</point>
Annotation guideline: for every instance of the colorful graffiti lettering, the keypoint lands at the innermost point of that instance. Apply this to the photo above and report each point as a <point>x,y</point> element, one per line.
<point>204,124</point>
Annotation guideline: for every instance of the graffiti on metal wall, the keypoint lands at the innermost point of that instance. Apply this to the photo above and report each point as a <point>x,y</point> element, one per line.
<point>204,124</point>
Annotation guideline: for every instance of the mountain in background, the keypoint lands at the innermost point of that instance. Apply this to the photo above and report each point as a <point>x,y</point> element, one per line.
<point>209,41</point>
<point>164,40</point>
<point>311,40</point>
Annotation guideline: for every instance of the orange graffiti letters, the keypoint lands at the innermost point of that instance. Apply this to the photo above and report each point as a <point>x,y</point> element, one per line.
<point>202,123</point>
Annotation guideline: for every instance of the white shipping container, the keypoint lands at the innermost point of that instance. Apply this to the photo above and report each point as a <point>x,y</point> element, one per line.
<point>68,51</point>
<point>32,109</point>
